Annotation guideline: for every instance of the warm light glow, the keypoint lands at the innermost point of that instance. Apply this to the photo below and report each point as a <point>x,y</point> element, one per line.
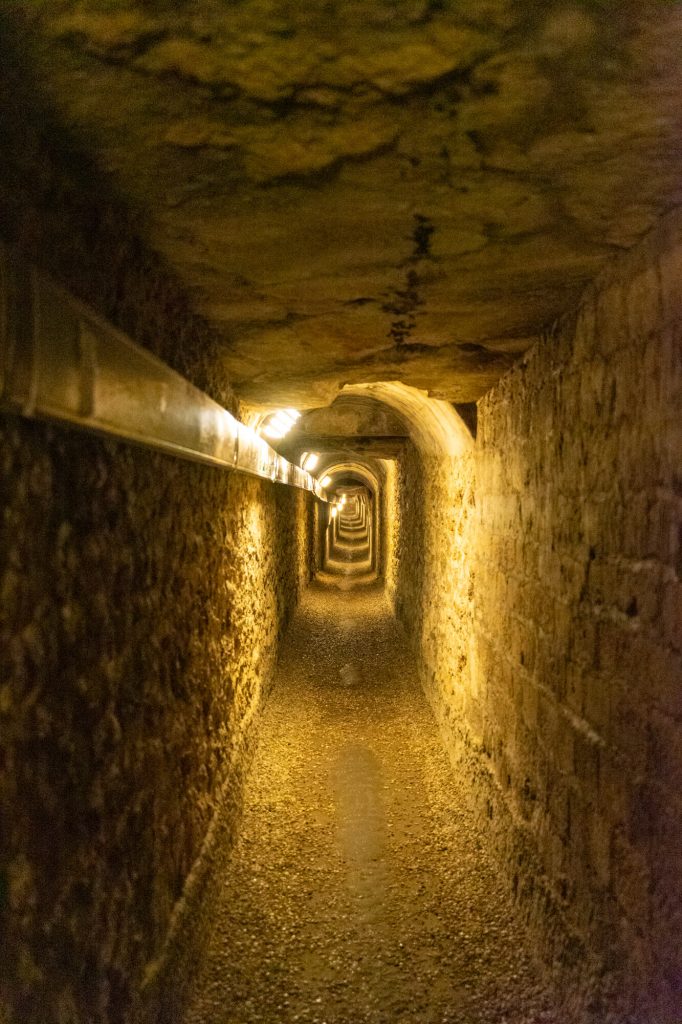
<point>325,481</point>
<point>310,461</point>
<point>279,423</point>
<point>271,431</point>
<point>333,511</point>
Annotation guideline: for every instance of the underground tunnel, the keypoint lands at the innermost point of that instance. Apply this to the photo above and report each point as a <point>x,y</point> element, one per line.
<point>341,488</point>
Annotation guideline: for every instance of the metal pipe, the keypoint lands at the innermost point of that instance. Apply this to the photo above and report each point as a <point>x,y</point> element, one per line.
<point>60,361</point>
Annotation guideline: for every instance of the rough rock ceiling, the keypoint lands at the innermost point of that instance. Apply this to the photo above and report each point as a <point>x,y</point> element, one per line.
<point>360,190</point>
<point>353,426</point>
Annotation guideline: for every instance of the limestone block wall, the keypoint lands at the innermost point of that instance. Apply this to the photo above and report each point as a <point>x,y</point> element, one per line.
<point>434,571</point>
<point>546,602</point>
<point>141,602</point>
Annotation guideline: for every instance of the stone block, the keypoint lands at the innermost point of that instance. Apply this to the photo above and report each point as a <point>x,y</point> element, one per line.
<point>629,733</point>
<point>671,614</point>
<point>670,274</point>
<point>611,320</point>
<point>548,722</point>
<point>615,780</point>
<point>586,763</point>
<point>643,299</point>
<point>564,754</point>
<point>664,753</point>
<point>599,846</point>
<point>585,328</point>
<point>530,702</point>
<point>597,703</point>
<point>631,875</point>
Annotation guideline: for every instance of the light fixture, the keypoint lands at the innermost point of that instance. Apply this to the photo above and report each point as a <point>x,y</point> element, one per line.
<point>272,432</point>
<point>310,460</point>
<point>325,481</point>
<point>279,423</point>
<point>333,511</point>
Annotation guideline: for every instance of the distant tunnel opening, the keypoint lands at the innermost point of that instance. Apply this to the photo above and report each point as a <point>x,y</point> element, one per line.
<point>350,530</point>
<point>528,579</point>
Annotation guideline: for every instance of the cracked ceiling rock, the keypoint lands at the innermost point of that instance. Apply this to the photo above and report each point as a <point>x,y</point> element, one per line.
<point>196,134</point>
<point>278,152</point>
<point>411,62</point>
<point>104,32</point>
<point>270,69</point>
<point>268,73</point>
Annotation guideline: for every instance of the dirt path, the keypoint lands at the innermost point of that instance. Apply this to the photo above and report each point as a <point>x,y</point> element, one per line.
<point>359,891</point>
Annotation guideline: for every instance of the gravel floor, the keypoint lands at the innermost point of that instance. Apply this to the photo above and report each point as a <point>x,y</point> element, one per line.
<point>359,891</point>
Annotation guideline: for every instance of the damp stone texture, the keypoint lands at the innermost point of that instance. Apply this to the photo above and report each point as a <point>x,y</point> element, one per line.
<point>542,587</point>
<point>141,603</point>
<point>363,190</point>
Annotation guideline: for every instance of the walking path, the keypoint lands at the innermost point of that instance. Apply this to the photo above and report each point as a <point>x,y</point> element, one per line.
<point>359,891</point>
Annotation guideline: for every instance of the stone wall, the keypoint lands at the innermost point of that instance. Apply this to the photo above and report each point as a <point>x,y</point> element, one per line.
<point>141,602</point>
<point>548,616</point>
<point>388,505</point>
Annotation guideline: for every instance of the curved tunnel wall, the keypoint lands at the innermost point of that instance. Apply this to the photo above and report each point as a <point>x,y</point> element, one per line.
<point>539,575</point>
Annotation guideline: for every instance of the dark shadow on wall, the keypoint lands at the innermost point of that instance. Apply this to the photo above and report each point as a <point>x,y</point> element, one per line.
<point>134,590</point>
<point>66,214</point>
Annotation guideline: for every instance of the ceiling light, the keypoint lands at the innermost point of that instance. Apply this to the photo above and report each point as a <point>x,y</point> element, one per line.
<point>273,432</point>
<point>279,423</point>
<point>325,481</point>
<point>310,461</point>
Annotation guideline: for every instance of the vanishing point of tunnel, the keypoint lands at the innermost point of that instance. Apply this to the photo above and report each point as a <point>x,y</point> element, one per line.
<point>341,494</point>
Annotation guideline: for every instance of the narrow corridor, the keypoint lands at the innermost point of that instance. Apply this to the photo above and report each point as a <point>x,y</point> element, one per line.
<point>359,891</point>
<point>340,512</point>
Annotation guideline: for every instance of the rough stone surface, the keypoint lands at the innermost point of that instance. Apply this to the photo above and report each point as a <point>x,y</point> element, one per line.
<point>350,415</point>
<point>540,581</point>
<point>141,601</point>
<point>369,191</point>
<point>356,193</point>
<point>361,888</point>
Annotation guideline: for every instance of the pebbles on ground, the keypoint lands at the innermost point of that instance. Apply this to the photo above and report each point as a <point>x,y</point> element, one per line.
<point>360,891</point>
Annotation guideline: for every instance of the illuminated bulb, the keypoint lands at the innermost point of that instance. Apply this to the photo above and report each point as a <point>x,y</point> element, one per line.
<point>280,423</point>
<point>333,511</point>
<point>311,461</point>
<point>325,481</point>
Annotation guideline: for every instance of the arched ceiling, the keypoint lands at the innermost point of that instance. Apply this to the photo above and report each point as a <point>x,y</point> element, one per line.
<point>375,421</point>
<point>353,426</point>
<point>433,424</point>
<point>365,190</point>
<point>368,473</point>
